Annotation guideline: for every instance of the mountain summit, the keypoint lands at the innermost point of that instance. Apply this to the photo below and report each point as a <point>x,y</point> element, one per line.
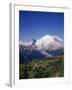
<point>49,42</point>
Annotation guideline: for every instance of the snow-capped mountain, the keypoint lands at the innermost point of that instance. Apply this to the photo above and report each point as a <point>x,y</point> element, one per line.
<point>46,46</point>
<point>27,43</point>
<point>49,43</point>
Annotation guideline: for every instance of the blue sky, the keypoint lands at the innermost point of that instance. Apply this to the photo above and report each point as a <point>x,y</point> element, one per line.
<point>34,25</point>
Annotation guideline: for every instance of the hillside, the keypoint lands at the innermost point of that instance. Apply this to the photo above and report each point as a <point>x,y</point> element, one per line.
<point>43,68</point>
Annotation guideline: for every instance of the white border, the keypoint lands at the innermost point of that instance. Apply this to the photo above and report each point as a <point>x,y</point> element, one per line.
<point>15,46</point>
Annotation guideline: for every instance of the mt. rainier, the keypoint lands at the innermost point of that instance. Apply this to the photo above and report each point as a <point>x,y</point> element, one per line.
<point>49,43</point>
<point>46,46</point>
